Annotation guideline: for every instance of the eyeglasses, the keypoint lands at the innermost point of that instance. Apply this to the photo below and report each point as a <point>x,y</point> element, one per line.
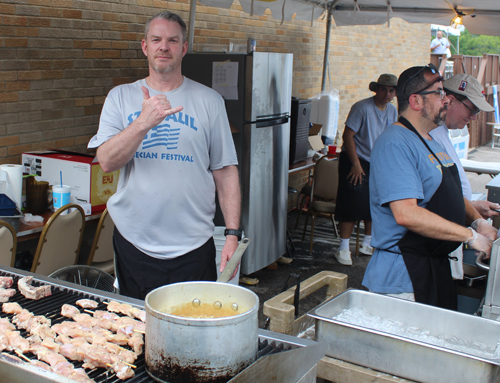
<point>473,112</point>
<point>441,93</point>
<point>430,66</point>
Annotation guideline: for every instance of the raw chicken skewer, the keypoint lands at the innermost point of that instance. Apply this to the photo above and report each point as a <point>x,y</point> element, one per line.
<point>26,319</point>
<point>126,309</point>
<point>60,364</point>
<point>5,294</point>
<point>6,282</point>
<point>129,327</point>
<point>43,336</point>
<point>94,355</point>
<point>87,303</point>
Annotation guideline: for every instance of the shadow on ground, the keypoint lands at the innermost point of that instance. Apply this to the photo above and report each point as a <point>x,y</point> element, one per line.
<point>272,279</point>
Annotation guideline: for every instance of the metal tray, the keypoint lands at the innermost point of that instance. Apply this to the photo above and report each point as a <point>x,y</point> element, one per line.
<point>401,356</point>
<point>13,220</point>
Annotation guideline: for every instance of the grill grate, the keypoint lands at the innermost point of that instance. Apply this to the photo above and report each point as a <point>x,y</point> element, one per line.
<point>51,308</point>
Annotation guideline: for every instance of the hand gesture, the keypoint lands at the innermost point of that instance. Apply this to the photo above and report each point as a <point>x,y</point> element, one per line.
<point>155,109</point>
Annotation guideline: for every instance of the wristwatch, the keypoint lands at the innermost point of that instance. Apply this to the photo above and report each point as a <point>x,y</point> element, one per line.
<point>237,233</point>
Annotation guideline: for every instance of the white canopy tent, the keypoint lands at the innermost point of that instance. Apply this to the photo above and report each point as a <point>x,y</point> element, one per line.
<point>478,16</point>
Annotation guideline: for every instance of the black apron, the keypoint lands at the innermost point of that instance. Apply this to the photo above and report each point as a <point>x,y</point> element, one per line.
<point>426,259</point>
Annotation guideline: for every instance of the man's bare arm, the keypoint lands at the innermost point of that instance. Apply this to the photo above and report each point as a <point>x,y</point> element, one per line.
<point>119,150</point>
<point>227,182</point>
<point>421,221</point>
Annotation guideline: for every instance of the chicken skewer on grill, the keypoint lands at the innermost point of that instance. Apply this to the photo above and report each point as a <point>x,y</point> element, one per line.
<point>126,309</point>
<point>60,364</point>
<point>94,355</point>
<point>87,303</point>
<point>6,282</point>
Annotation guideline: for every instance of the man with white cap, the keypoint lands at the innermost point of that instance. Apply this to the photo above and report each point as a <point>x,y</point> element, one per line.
<point>467,99</point>
<point>418,210</point>
<point>366,121</point>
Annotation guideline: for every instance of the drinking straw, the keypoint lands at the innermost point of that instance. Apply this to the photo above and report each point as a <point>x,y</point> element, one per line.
<point>60,175</point>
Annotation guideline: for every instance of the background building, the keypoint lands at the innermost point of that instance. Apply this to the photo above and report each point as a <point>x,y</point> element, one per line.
<point>59,59</point>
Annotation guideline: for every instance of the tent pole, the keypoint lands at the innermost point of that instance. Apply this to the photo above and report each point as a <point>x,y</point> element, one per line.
<point>192,17</point>
<point>327,47</point>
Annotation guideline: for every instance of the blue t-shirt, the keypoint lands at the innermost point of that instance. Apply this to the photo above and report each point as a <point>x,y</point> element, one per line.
<point>401,168</point>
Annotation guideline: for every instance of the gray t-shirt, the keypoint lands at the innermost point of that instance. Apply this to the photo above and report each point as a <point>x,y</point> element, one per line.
<point>368,122</point>
<point>165,200</point>
<point>441,136</point>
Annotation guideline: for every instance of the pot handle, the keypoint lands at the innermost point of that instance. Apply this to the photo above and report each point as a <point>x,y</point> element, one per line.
<point>481,262</point>
<point>234,261</point>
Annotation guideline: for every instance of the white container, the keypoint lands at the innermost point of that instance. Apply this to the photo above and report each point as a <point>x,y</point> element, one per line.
<point>325,111</point>
<point>60,196</point>
<point>220,240</point>
<point>460,140</point>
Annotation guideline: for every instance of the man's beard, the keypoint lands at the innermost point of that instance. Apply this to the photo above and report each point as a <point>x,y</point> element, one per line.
<point>440,118</point>
<point>164,68</point>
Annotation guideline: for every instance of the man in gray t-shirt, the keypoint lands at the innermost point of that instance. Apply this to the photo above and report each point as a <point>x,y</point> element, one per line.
<point>170,137</point>
<point>366,121</point>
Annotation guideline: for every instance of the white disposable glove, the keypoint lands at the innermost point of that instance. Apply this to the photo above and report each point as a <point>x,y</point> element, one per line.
<point>479,242</point>
<point>483,227</point>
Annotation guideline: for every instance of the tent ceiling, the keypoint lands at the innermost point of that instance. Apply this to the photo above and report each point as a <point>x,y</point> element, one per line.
<point>481,16</point>
<point>280,9</point>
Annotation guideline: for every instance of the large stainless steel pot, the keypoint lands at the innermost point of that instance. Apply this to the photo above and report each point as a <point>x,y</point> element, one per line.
<point>185,350</point>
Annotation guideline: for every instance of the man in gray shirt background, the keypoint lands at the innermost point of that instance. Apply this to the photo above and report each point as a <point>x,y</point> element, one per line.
<point>367,119</point>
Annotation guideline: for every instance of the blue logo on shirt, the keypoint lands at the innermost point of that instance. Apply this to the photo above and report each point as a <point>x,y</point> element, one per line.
<point>162,135</point>
<point>166,135</point>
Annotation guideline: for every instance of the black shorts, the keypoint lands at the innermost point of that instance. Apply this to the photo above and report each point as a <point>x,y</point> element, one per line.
<point>138,273</point>
<point>353,202</point>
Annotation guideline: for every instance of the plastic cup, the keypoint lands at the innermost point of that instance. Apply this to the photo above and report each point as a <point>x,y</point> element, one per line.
<point>60,196</point>
<point>332,149</point>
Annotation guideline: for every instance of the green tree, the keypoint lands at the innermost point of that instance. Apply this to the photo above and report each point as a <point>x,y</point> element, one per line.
<point>473,45</point>
<point>477,45</point>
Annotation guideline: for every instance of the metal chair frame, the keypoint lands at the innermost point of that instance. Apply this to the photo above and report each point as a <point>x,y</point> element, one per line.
<point>323,193</point>
<point>100,249</point>
<point>47,231</point>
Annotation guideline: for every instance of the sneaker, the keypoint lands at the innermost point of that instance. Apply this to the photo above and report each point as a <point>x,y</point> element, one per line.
<point>366,249</point>
<point>344,257</point>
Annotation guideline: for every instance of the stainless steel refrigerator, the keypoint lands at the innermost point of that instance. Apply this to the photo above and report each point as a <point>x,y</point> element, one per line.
<point>258,108</point>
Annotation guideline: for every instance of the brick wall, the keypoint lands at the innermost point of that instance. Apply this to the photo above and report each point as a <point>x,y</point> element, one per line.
<point>59,59</point>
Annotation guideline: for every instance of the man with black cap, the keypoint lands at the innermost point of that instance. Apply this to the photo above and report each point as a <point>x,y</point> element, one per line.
<point>467,99</point>
<point>418,209</point>
<point>366,120</point>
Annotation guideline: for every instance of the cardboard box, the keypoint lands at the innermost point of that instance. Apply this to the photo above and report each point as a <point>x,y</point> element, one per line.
<point>89,183</point>
<point>315,141</point>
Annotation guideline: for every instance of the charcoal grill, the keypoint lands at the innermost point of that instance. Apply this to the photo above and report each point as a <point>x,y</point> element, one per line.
<point>281,358</point>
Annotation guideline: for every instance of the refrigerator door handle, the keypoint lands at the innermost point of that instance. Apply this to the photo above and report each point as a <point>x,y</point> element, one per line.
<point>272,121</point>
